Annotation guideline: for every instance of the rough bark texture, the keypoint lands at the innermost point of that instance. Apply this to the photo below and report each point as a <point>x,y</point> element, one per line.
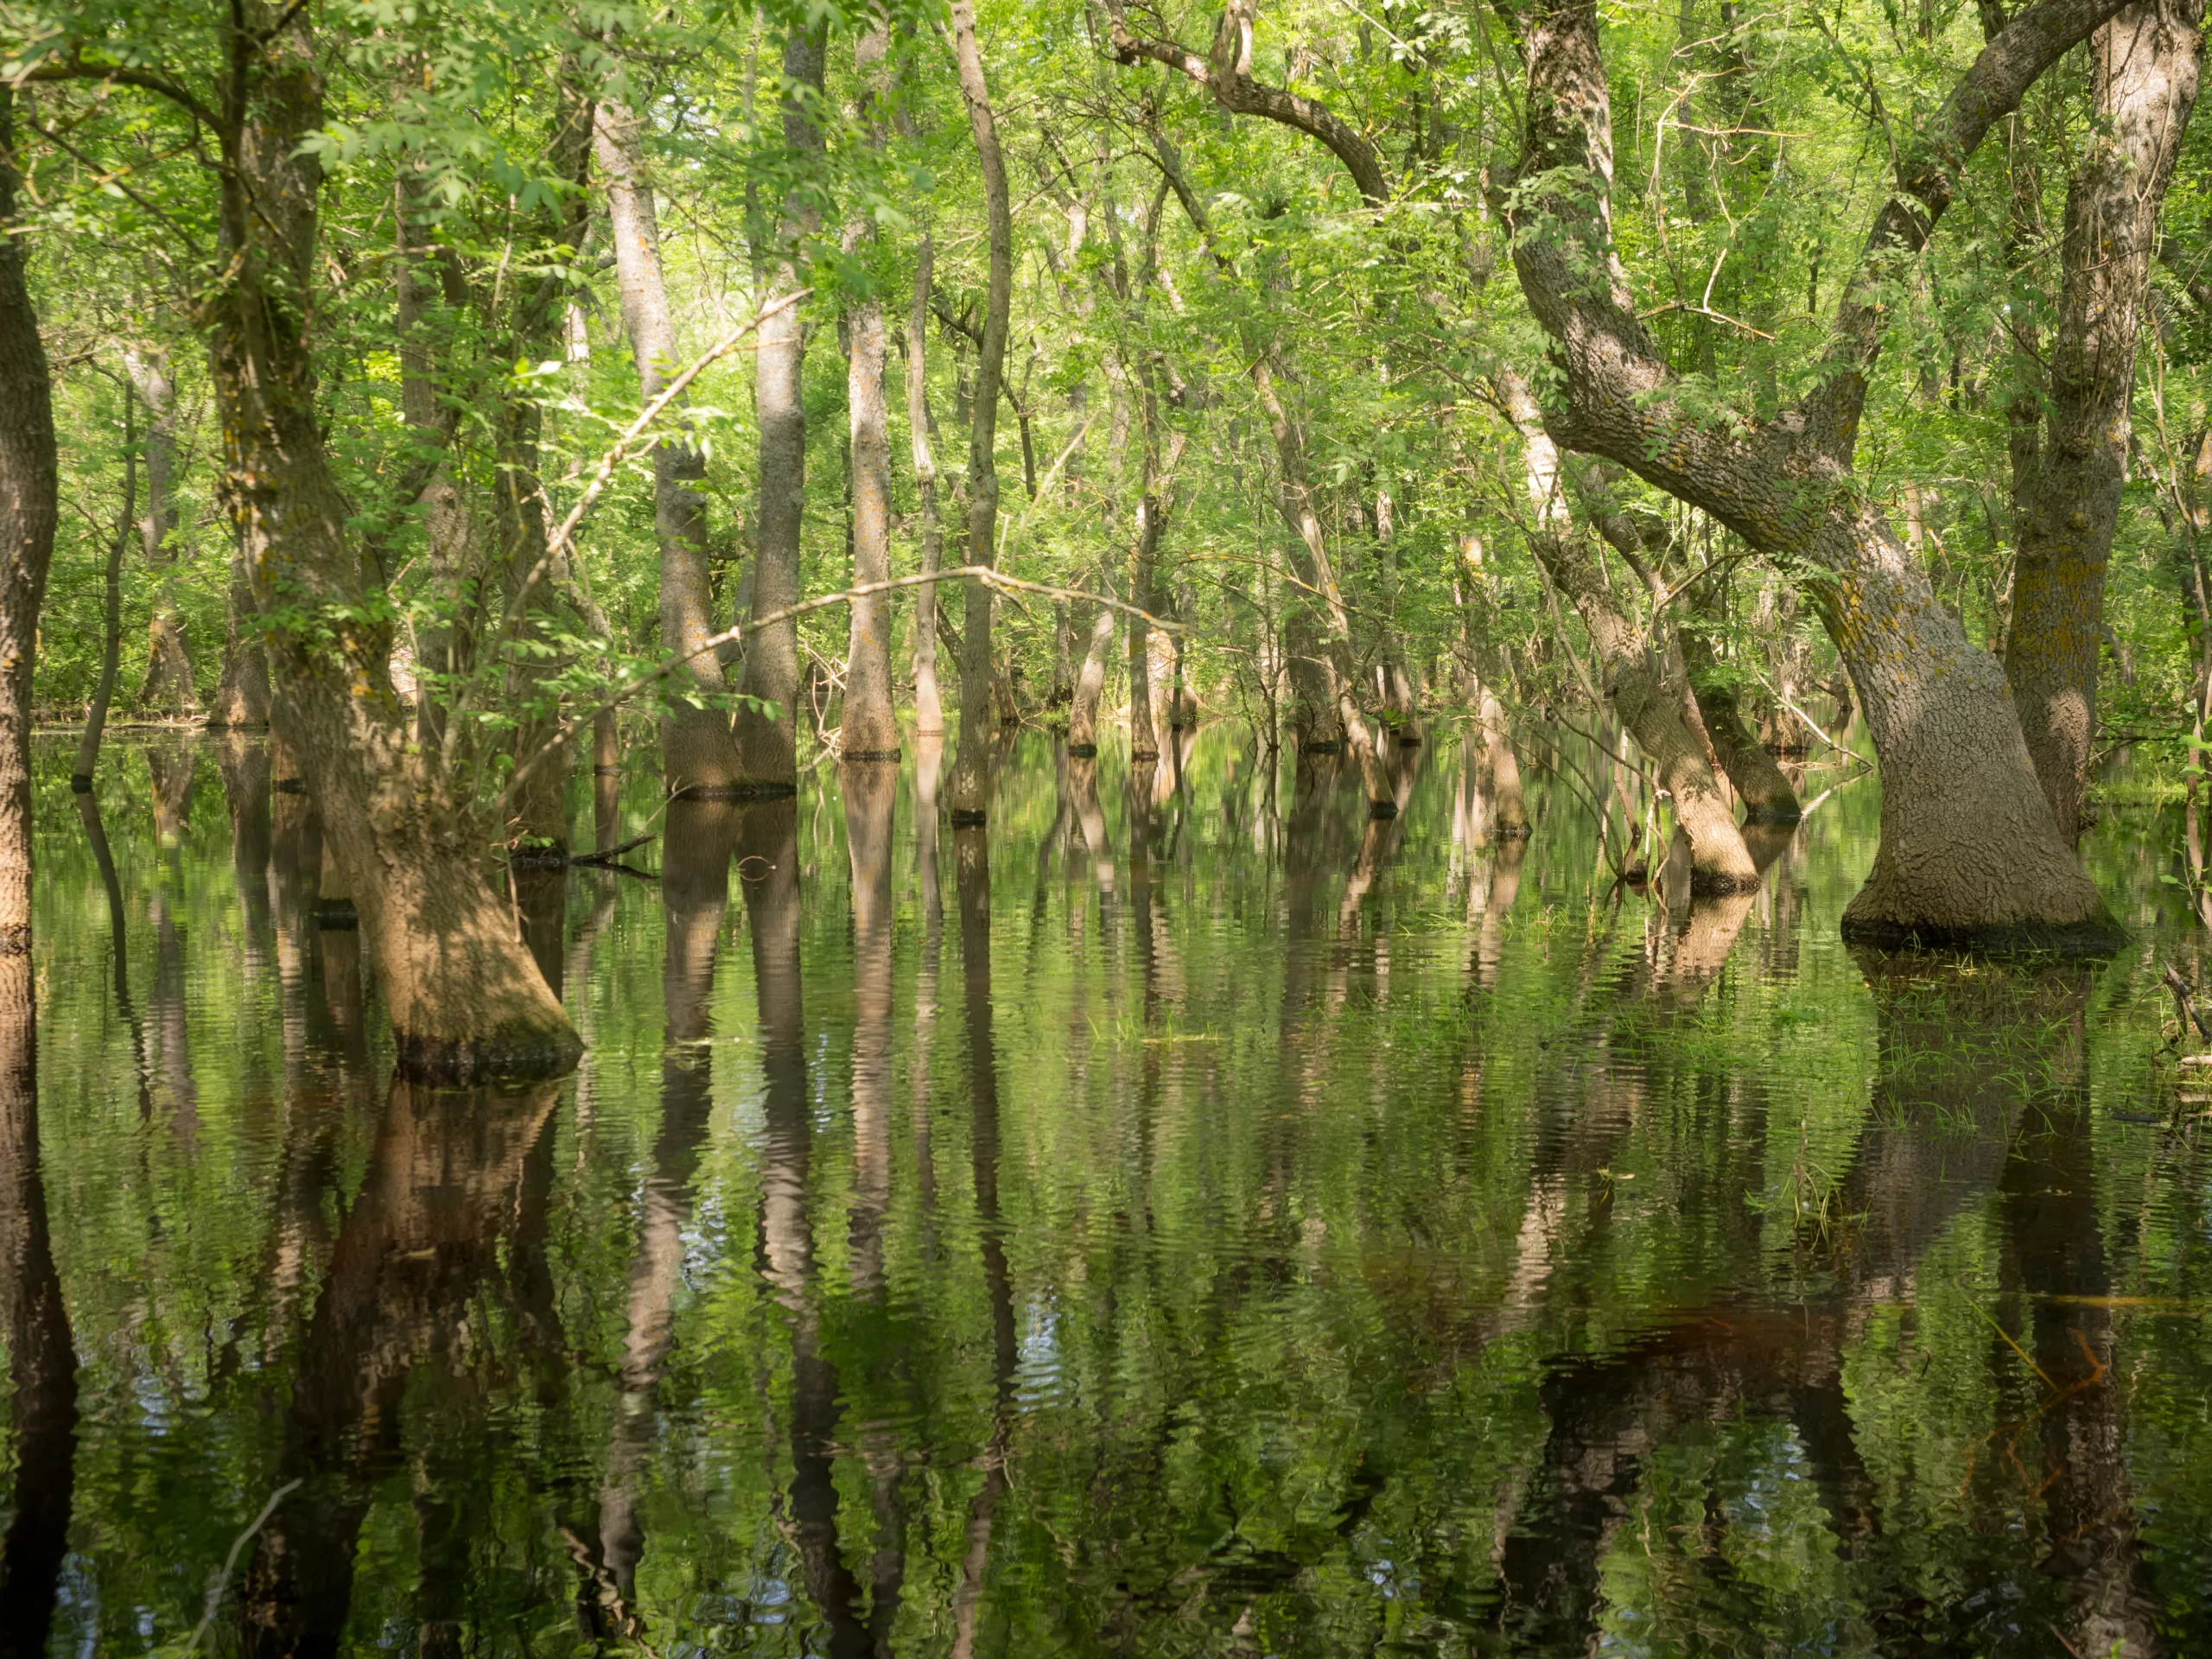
<point>767,743</point>
<point>929,705</point>
<point>1970,852</point>
<point>29,505</point>
<point>971,769</point>
<point>697,754</point>
<point>869,724</point>
<point>2066,489</point>
<point>88,744</point>
<point>464,996</point>
<point>1766,794</point>
<point>169,687</point>
<point>241,700</point>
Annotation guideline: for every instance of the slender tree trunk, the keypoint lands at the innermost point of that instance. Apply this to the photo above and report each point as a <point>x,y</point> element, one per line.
<point>464,996</point>
<point>168,688</point>
<point>928,707</point>
<point>1509,811</point>
<point>870,725</point>
<point>1399,696</point>
<point>971,767</point>
<point>698,756</point>
<point>1154,507</point>
<point>768,744</point>
<point>88,746</point>
<point>30,506</point>
<point>2145,64</point>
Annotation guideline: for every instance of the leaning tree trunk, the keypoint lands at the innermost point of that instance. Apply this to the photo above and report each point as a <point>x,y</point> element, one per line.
<point>169,687</point>
<point>929,706</point>
<point>88,744</point>
<point>697,755</point>
<point>767,741</point>
<point>971,772</point>
<point>30,492</point>
<point>2066,490</point>
<point>464,996</point>
<point>869,729</point>
<point>1089,685</point>
<point>1766,794</point>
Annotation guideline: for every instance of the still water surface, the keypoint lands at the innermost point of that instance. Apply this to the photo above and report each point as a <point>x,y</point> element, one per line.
<point>1198,1221</point>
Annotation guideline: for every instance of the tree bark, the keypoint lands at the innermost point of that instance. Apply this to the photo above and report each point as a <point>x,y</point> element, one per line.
<point>88,746</point>
<point>1766,794</point>
<point>1089,686</point>
<point>869,725</point>
<point>1162,452</point>
<point>168,688</point>
<point>29,507</point>
<point>464,996</point>
<point>698,756</point>
<point>2066,490</point>
<point>972,766</point>
<point>768,744</point>
<point>1970,854</point>
<point>929,705</point>
<point>241,701</point>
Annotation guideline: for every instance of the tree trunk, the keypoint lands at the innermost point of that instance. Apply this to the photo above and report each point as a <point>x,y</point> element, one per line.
<point>88,746</point>
<point>1509,811</point>
<point>242,695</point>
<point>1089,685</point>
<point>464,996</point>
<point>768,744</point>
<point>1153,508</point>
<point>30,506</point>
<point>1399,698</point>
<point>1766,794</point>
<point>2066,491</point>
<point>870,725</point>
<point>168,688</point>
<point>972,766</point>
<point>698,756</point>
<point>928,707</point>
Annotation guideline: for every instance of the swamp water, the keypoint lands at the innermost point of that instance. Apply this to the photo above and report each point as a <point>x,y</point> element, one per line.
<point>1207,1223</point>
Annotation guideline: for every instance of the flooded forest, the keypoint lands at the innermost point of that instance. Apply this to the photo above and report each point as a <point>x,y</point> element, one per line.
<point>1026,827</point>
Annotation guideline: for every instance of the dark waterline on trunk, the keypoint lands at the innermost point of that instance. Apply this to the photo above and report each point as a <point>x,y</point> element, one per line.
<point>1243,1225</point>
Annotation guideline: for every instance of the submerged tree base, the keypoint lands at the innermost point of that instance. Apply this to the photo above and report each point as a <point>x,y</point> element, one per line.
<point>517,1053</point>
<point>769,791</point>
<point>2098,936</point>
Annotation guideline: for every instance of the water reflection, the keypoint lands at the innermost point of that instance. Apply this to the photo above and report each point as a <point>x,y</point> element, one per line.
<point>1261,1226</point>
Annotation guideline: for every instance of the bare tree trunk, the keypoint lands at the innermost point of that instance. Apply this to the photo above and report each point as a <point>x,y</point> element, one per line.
<point>88,746</point>
<point>1509,811</point>
<point>30,506</point>
<point>1152,507</point>
<point>2066,496</point>
<point>971,772</point>
<point>168,688</point>
<point>1089,686</point>
<point>768,745</point>
<point>928,707</point>
<point>1766,794</point>
<point>1399,698</point>
<point>697,753</point>
<point>464,996</point>
<point>242,695</point>
<point>870,728</point>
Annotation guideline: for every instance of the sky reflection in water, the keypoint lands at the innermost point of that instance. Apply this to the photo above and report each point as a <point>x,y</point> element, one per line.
<point>1205,1223</point>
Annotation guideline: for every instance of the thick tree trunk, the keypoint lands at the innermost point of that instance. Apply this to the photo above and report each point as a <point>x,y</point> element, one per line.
<point>929,706</point>
<point>168,688</point>
<point>971,770</point>
<point>1509,810</point>
<point>698,756</point>
<point>30,506</point>
<point>88,744</point>
<point>768,744</point>
<point>1089,686</point>
<point>1766,794</point>
<point>464,996</point>
<point>241,702</point>
<point>2066,491</point>
<point>869,725</point>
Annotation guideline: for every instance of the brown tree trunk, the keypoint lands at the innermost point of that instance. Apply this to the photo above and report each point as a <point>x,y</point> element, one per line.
<point>1152,507</point>
<point>971,771</point>
<point>1089,686</point>
<point>464,996</point>
<point>929,706</point>
<point>2066,496</point>
<point>88,746</point>
<point>169,687</point>
<point>698,756</point>
<point>1766,794</point>
<point>241,702</point>
<point>1509,810</point>
<point>870,725</point>
<point>30,506</point>
<point>768,744</point>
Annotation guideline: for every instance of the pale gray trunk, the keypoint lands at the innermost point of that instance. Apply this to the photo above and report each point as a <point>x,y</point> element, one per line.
<point>928,707</point>
<point>870,724</point>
